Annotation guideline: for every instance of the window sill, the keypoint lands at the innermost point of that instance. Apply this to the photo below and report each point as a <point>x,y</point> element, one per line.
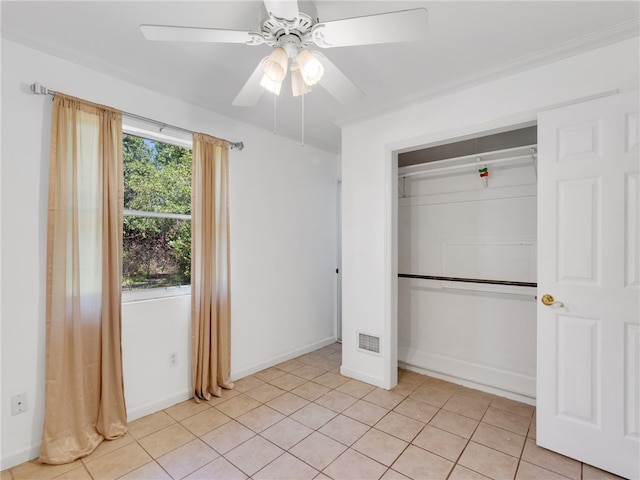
<point>130,296</point>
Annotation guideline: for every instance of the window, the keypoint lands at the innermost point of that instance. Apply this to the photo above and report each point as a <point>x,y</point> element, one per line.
<point>157,215</point>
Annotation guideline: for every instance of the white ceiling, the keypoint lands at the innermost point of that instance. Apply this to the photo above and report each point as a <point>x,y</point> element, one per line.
<point>467,42</point>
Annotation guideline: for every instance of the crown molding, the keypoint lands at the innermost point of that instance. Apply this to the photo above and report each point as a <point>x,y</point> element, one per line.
<point>593,41</point>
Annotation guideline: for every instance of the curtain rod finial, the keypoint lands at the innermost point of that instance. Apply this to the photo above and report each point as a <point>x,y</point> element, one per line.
<point>38,89</point>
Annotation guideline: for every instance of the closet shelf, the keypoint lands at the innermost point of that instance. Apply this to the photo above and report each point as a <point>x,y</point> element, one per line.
<point>470,162</point>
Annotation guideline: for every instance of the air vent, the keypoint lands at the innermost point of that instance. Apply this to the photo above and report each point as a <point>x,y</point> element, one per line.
<point>369,343</point>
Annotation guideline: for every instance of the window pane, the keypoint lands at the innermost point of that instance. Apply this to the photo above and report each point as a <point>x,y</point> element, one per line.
<point>156,253</point>
<point>157,176</point>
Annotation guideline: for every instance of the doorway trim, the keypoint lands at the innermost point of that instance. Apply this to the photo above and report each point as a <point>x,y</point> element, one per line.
<point>392,150</point>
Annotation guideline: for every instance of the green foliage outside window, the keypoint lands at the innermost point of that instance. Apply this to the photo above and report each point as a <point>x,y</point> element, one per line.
<point>157,178</point>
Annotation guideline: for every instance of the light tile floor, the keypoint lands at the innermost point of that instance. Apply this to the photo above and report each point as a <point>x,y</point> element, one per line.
<point>303,420</point>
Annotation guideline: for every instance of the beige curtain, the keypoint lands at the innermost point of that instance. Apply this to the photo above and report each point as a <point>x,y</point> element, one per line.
<point>84,383</point>
<point>210,296</point>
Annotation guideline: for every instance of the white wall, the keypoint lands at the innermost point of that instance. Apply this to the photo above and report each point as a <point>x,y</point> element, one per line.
<point>283,226</point>
<point>369,182</point>
<point>151,330</point>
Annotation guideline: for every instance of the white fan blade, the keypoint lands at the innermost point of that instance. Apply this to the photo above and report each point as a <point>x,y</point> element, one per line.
<point>401,26</point>
<point>336,83</point>
<point>169,33</point>
<point>252,91</point>
<point>287,9</point>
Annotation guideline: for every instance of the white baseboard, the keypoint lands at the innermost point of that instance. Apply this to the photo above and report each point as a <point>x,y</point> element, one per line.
<point>139,411</point>
<point>246,371</point>
<point>507,384</point>
<point>157,405</point>
<point>363,377</point>
<point>16,457</point>
<point>26,454</point>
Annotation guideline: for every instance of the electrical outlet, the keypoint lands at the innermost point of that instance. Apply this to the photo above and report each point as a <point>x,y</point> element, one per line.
<point>18,403</point>
<point>173,359</point>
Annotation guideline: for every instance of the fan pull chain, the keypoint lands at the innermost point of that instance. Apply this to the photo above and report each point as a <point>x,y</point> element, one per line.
<point>302,119</point>
<point>274,114</point>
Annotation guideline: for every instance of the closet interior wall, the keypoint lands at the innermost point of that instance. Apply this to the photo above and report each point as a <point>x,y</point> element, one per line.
<point>456,223</point>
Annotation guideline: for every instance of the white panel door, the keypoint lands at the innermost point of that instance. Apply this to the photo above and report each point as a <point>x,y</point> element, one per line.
<point>588,373</point>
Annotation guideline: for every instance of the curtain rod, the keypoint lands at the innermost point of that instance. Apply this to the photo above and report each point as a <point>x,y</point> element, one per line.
<point>42,90</point>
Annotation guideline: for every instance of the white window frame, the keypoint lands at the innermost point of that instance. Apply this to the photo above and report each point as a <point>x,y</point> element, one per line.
<point>146,130</point>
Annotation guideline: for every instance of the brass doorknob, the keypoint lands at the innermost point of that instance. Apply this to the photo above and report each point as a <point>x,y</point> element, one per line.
<point>548,300</point>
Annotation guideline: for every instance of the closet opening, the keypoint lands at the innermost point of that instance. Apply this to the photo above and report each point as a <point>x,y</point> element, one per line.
<point>467,239</point>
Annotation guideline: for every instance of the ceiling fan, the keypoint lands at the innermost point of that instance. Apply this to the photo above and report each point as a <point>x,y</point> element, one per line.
<point>290,27</point>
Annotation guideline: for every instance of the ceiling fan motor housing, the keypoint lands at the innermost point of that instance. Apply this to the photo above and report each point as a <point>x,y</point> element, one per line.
<point>291,34</point>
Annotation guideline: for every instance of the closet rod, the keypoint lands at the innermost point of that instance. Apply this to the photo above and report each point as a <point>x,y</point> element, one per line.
<point>42,90</point>
<point>468,280</point>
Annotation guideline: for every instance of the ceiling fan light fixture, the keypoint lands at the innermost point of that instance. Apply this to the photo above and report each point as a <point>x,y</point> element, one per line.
<point>298,85</point>
<point>275,67</point>
<point>268,84</point>
<point>310,67</point>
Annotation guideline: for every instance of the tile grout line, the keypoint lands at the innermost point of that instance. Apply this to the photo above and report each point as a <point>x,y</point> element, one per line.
<point>524,444</point>
<point>455,464</point>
